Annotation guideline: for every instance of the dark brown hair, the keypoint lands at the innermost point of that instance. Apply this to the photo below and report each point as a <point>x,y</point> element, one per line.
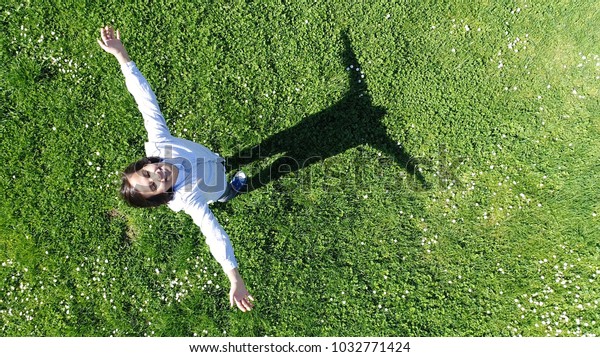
<point>132,196</point>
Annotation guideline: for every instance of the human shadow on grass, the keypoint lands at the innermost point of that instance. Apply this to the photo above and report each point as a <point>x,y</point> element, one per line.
<point>351,122</point>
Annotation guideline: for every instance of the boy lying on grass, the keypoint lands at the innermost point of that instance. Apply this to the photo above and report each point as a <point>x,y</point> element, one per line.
<point>179,173</point>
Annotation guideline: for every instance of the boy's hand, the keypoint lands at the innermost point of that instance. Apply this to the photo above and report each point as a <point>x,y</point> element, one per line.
<point>112,44</point>
<point>238,295</point>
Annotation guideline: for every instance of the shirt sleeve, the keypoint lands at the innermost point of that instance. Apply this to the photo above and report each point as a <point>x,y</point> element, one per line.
<point>216,237</point>
<point>147,104</point>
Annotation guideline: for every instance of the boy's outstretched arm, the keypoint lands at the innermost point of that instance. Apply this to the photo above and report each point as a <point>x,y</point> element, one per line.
<point>137,85</point>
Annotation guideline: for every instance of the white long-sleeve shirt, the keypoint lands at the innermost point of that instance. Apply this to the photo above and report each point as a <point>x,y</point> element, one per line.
<point>201,179</point>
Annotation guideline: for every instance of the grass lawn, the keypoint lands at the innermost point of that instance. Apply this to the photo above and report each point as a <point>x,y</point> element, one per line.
<point>427,168</point>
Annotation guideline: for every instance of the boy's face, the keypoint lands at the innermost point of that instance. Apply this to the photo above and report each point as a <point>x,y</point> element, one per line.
<point>153,179</point>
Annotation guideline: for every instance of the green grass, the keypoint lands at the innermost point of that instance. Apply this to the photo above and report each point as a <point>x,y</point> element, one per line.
<point>495,233</point>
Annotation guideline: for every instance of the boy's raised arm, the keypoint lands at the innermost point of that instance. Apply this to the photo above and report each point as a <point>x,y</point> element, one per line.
<point>154,122</point>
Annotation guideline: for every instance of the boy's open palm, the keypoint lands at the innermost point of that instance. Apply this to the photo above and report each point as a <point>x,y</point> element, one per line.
<point>109,42</point>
